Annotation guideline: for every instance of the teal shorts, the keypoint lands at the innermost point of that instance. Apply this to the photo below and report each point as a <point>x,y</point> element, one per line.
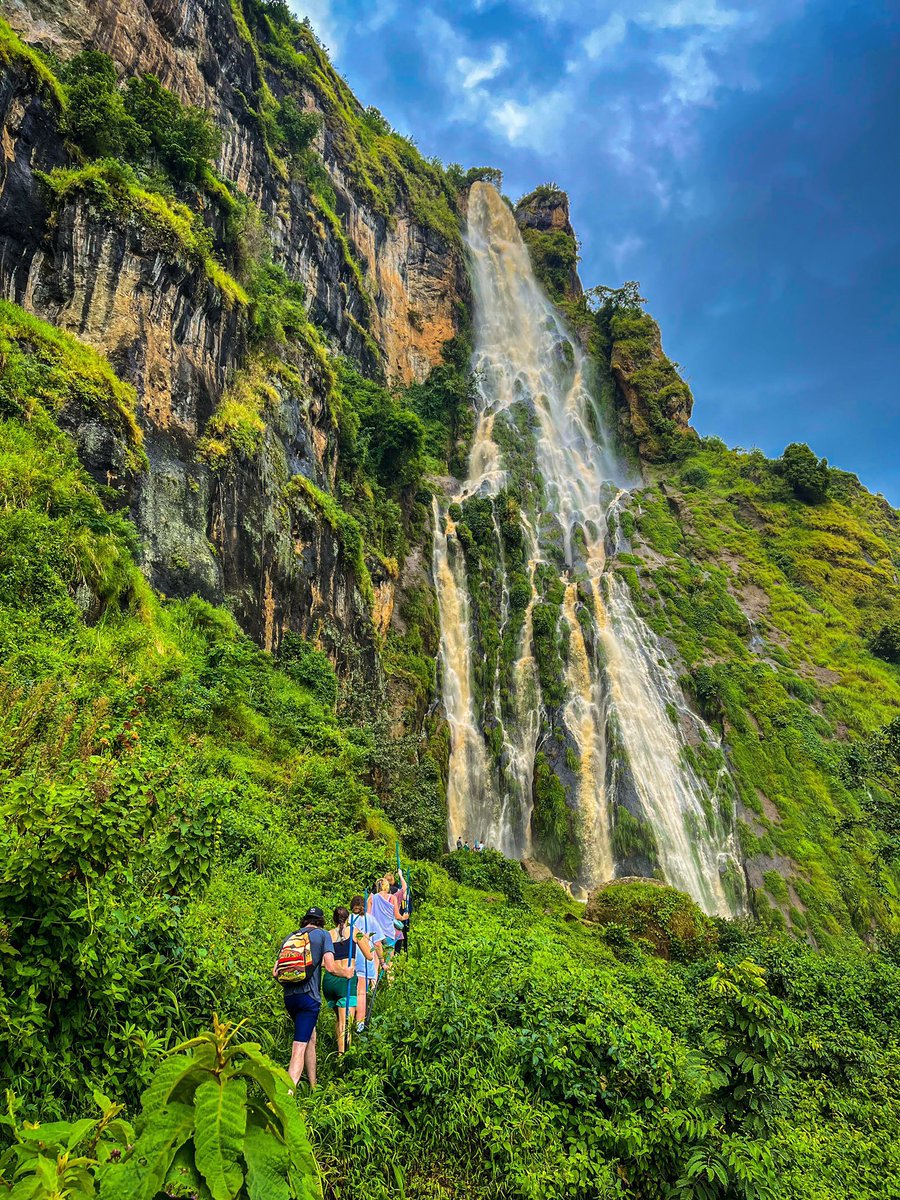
<point>334,991</point>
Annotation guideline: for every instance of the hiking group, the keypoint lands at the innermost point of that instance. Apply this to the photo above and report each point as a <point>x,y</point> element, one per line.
<point>343,964</point>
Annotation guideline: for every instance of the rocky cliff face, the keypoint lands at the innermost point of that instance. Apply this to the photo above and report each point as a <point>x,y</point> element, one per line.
<point>384,290</point>
<point>654,402</point>
<point>543,218</point>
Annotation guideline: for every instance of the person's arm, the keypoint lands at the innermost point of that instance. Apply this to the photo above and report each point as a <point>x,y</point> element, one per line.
<point>364,946</point>
<point>333,967</point>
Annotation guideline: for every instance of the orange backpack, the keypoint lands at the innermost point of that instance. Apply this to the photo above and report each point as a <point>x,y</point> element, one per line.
<point>295,959</point>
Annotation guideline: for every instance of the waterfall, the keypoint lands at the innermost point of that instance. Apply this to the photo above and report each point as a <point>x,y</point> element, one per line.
<point>567,724</point>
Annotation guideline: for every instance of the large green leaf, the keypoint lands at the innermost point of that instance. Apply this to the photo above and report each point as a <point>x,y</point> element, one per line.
<point>268,1163</point>
<point>220,1107</point>
<point>176,1078</point>
<point>304,1173</point>
<point>143,1173</point>
<point>184,1176</point>
<point>59,1133</point>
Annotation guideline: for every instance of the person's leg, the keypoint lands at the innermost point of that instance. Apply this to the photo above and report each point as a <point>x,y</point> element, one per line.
<point>295,1067</point>
<point>360,1000</point>
<point>340,1028</point>
<point>304,1014</point>
<point>310,1060</point>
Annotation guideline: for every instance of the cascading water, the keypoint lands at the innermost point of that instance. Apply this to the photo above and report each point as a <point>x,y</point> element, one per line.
<point>565,718</point>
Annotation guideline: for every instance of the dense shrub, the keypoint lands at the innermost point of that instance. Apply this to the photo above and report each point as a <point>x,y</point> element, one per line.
<point>807,475</point>
<point>307,665</point>
<point>488,870</point>
<point>667,918</point>
<point>885,642</point>
<point>182,139</point>
<point>95,117</point>
<point>141,120</point>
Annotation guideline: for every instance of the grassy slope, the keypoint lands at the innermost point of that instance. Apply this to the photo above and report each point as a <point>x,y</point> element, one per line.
<point>147,750</point>
<point>769,601</point>
<point>171,801</point>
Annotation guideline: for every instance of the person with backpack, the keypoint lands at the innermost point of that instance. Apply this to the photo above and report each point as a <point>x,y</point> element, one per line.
<point>298,969</point>
<point>351,945</point>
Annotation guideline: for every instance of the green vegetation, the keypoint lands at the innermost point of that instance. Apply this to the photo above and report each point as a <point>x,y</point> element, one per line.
<point>46,371</point>
<point>14,52</point>
<point>885,643</point>
<point>113,190</point>
<point>554,824</point>
<point>445,402</point>
<point>385,167</point>
<point>141,745</point>
<point>770,602</point>
<point>171,798</point>
<point>553,251</point>
<point>216,1121</point>
<point>142,122</point>
<point>806,474</point>
<point>668,919</point>
<point>662,400</point>
<point>554,255</point>
<point>321,504</point>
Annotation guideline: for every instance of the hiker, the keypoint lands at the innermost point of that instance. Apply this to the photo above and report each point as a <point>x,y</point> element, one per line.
<point>459,843</point>
<point>299,968</point>
<point>384,909</point>
<point>350,945</point>
<point>479,846</point>
<point>367,969</point>
<point>399,890</point>
<point>468,847</point>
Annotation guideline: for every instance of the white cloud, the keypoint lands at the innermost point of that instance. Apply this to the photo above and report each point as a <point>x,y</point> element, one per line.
<point>538,124</point>
<point>691,79</point>
<point>688,14</point>
<point>605,37</point>
<point>475,71</point>
<point>511,118</point>
<point>637,75</point>
<point>531,117</point>
<point>623,250</point>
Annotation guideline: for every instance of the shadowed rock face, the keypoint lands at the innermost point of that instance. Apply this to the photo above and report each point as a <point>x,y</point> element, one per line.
<point>227,534</point>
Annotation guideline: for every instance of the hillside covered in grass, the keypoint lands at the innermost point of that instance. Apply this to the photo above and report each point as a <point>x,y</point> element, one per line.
<point>173,798</point>
<point>237,377</point>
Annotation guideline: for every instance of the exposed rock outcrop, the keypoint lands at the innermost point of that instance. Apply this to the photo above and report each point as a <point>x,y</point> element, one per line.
<point>384,290</point>
<point>655,402</point>
<point>543,217</point>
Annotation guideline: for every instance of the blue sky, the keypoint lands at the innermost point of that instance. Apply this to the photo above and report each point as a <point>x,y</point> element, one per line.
<point>741,160</point>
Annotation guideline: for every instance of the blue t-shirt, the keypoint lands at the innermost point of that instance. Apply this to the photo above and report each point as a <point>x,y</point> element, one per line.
<point>321,944</point>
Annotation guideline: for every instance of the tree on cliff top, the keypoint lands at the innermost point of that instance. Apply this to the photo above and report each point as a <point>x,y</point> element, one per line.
<point>626,298</point>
